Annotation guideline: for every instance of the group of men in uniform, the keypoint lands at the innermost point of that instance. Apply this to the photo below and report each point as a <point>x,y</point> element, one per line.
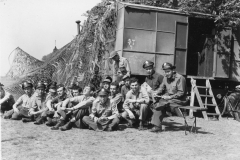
<point>101,109</point>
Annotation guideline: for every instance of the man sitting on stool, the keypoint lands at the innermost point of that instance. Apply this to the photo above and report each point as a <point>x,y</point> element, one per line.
<point>173,91</point>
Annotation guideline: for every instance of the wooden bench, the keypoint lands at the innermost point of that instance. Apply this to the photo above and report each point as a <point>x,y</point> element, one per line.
<point>195,109</point>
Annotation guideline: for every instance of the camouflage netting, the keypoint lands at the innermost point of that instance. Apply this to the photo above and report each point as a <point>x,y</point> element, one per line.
<point>22,63</point>
<point>75,62</point>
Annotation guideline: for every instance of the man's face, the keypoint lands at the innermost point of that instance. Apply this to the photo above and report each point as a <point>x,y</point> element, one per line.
<point>113,90</point>
<point>40,91</point>
<point>103,98</point>
<point>28,90</point>
<point>86,90</point>
<point>75,92</point>
<point>134,86</point>
<point>127,82</point>
<point>60,91</point>
<point>168,73</point>
<point>149,70</point>
<point>106,85</point>
<point>52,93</point>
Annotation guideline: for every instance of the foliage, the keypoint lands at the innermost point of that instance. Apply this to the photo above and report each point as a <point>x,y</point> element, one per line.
<point>225,12</point>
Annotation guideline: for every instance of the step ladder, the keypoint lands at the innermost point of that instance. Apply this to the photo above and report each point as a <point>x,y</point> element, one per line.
<point>205,100</point>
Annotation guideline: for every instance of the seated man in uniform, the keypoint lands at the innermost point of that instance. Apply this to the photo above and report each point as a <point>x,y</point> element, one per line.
<point>126,87</point>
<point>116,97</point>
<point>37,106</point>
<point>173,93</point>
<point>136,104</point>
<point>153,79</point>
<point>23,103</point>
<point>80,108</point>
<point>6,100</point>
<point>49,112</point>
<point>104,115</point>
<point>52,105</point>
<point>74,90</point>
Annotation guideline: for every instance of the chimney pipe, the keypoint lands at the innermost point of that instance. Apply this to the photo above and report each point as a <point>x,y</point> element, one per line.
<point>78,26</point>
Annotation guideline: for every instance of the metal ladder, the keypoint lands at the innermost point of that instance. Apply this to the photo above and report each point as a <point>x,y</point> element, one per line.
<point>203,99</point>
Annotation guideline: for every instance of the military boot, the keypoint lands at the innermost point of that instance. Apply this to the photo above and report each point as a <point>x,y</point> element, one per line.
<point>59,124</point>
<point>67,126</point>
<point>156,129</point>
<point>50,122</point>
<point>40,120</point>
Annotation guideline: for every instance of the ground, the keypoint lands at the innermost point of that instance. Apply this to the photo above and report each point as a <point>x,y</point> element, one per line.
<point>214,140</point>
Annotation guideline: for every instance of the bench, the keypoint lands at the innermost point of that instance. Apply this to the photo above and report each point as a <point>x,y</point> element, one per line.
<point>195,109</point>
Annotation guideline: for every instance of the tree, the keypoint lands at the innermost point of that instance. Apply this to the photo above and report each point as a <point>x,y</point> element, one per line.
<point>225,12</point>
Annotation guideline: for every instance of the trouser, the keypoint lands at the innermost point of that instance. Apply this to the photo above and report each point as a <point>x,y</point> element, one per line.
<point>160,109</point>
<point>78,115</point>
<point>6,106</point>
<point>23,113</point>
<point>113,123</point>
<point>140,113</point>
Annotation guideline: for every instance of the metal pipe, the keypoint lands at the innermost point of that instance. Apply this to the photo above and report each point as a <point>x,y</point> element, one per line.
<point>78,26</point>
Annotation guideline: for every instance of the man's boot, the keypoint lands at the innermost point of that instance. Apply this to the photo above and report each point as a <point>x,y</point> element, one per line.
<point>59,124</point>
<point>50,122</point>
<point>40,120</point>
<point>30,119</point>
<point>67,126</point>
<point>156,129</point>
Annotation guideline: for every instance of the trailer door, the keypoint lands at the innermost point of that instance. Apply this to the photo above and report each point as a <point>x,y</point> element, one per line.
<point>181,39</point>
<point>222,53</point>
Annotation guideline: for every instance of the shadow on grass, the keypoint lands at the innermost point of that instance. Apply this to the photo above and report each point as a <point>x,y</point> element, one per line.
<point>11,139</point>
<point>174,126</point>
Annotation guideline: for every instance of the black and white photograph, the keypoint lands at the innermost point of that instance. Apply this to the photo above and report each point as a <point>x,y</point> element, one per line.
<point>120,79</point>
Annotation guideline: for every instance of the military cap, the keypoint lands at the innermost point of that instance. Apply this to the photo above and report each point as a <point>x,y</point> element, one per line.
<point>168,65</point>
<point>103,92</point>
<point>113,54</point>
<point>125,77</point>
<point>1,84</point>
<point>107,80</point>
<point>40,85</point>
<point>73,86</point>
<point>60,86</point>
<point>26,84</point>
<point>147,64</point>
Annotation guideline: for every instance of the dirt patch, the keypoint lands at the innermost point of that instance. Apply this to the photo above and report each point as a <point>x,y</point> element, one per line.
<point>215,140</point>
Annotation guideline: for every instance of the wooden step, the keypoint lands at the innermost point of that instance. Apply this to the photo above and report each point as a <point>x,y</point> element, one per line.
<point>202,95</point>
<point>213,114</point>
<point>202,87</point>
<point>214,105</point>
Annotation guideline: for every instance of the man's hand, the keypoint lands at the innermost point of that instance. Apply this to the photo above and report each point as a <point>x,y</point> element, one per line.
<point>131,101</point>
<point>69,109</point>
<point>15,110</point>
<point>103,118</point>
<point>166,97</point>
<point>131,115</point>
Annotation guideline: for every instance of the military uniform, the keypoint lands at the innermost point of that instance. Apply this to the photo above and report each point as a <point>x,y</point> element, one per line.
<point>176,89</point>
<point>138,109</point>
<point>154,80</point>
<point>8,102</point>
<point>23,105</point>
<point>117,100</point>
<point>106,110</point>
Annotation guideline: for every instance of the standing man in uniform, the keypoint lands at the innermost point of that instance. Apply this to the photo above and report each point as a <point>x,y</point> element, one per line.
<point>136,104</point>
<point>173,93</point>
<point>104,116</point>
<point>119,61</point>
<point>23,102</point>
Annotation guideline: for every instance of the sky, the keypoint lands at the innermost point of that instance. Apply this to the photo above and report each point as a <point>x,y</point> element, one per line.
<point>34,25</point>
